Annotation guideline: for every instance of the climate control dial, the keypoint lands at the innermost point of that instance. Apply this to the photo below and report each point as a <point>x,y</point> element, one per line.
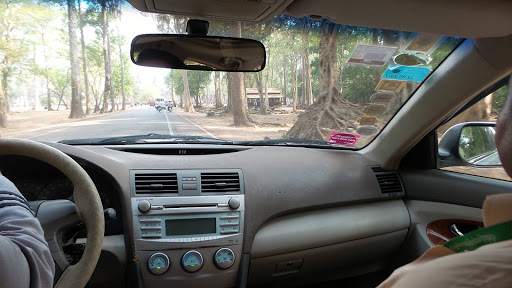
<point>224,258</point>
<point>158,263</point>
<point>192,261</point>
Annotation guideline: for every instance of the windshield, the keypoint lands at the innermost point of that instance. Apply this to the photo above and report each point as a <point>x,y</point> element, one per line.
<point>67,76</point>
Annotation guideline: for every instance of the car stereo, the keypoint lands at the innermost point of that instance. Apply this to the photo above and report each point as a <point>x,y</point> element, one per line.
<point>188,222</point>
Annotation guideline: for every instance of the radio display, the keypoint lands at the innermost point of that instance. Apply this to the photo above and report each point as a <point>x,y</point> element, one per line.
<point>177,227</point>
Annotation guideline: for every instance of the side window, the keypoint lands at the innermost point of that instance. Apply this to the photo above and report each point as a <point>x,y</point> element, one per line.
<point>486,110</point>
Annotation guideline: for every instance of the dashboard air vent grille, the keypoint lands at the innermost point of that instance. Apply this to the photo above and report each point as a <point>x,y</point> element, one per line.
<point>220,182</point>
<point>156,183</point>
<point>389,181</point>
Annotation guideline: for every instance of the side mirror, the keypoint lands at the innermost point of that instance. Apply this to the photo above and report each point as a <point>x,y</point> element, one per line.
<point>469,144</point>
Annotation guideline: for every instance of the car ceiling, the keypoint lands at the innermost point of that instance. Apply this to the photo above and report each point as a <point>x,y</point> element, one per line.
<point>462,18</point>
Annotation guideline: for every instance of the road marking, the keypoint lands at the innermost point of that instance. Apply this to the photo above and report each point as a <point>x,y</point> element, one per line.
<point>211,135</point>
<point>171,132</point>
<point>44,134</point>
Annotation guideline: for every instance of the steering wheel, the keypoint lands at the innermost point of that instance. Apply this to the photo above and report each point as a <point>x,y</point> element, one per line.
<point>88,207</point>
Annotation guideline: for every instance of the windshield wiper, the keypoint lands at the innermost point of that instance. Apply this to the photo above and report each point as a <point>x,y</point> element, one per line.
<point>146,139</point>
<point>285,142</point>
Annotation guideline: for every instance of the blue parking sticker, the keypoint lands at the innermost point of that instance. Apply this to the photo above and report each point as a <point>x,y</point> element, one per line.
<point>406,73</point>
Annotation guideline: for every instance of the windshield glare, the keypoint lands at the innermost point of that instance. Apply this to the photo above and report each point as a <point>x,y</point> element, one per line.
<point>67,75</point>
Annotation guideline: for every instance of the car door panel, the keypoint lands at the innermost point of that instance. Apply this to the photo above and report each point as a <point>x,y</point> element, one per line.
<point>436,195</point>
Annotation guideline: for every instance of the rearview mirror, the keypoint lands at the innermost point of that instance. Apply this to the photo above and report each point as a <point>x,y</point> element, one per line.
<point>193,52</point>
<point>469,144</point>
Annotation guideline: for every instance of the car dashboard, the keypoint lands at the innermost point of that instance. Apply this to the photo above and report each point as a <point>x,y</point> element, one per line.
<point>230,216</point>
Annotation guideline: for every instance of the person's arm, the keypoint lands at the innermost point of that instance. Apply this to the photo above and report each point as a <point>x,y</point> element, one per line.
<point>24,253</point>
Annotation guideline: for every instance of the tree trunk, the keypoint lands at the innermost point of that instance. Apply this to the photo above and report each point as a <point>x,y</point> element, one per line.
<point>76,104</point>
<point>186,93</point>
<point>284,83</point>
<point>265,98</point>
<point>259,85</point>
<point>330,112</point>
<point>236,87</point>
<point>307,81</point>
<point>109,53</point>
<point>47,75</point>
<point>294,86</point>
<point>3,110</point>
<point>84,62</point>
<point>172,93</point>
<point>303,84</point>
<point>122,78</point>
<point>238,99</point>
<point>106,59</point>
<point>308,90</point>
<point>218,101</point>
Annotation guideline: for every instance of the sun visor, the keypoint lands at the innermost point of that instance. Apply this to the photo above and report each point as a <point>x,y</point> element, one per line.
<point>243,10</point>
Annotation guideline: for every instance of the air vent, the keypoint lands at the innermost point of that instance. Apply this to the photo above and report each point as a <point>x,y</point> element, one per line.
<point>149,183</point>
<point>389,181</point>
<point>220,183</point>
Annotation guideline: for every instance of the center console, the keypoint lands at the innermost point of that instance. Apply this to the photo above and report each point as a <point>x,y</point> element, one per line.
<point>188,226</point>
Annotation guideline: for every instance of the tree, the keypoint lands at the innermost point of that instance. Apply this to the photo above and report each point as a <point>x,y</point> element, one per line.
<point>13,47</point>
<point>330,112</point>
<point>3,108</point>
<point>76,103</point>
<point>237,89</point>
<point>84,61</point>
<point>307,91</point>
<point>106,58</point>
<point>121,60</point>
<point>177,24</point>
<point>218,100</point>
<point>186,93</point>
<point>122,79</point>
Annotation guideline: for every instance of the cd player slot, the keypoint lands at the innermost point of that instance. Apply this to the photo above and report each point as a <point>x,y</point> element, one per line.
<point>175,206</point>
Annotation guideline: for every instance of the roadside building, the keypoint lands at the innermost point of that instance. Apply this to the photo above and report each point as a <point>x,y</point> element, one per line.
<point>253,97</point>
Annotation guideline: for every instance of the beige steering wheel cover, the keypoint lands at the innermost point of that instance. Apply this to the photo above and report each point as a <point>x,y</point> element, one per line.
<point>87,200</point>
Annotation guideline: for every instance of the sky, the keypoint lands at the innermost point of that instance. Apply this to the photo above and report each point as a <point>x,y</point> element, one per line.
<point>134,23</point>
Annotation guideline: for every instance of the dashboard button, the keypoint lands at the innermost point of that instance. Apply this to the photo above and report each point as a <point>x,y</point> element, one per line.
<point>228,230</point>
<point>151,235</point>
<point>229,217</point>
<point>149,220</point>
<point>229,224</point>
<point>151,228</point>
<point>189,186</point>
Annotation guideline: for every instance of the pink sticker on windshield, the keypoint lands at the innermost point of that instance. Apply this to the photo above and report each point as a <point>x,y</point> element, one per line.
<point>343,138</point>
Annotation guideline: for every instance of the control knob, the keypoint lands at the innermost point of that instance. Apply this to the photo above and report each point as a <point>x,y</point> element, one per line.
<point>192,261</point>
<point>234,203</point>
<point>158,263</point>
<point>144,206</point>
<point>224,258</point>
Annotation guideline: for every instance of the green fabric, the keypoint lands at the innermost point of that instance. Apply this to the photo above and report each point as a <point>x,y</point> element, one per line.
<point>481,237</point>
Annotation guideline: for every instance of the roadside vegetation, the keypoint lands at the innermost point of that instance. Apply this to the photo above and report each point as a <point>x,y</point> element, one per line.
<point>57,54</point>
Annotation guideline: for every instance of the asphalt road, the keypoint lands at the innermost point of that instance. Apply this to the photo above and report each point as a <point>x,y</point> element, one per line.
<point>143,120</point>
